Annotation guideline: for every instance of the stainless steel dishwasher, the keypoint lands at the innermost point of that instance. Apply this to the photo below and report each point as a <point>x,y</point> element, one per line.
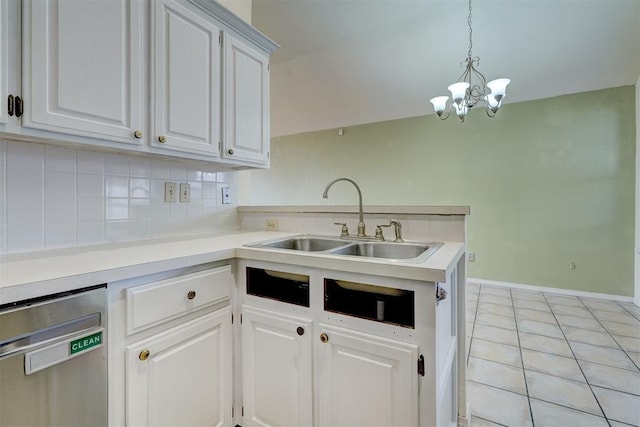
<point>53,360</point>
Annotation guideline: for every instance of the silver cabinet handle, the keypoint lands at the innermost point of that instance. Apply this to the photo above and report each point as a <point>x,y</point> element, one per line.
<point>441,294</point>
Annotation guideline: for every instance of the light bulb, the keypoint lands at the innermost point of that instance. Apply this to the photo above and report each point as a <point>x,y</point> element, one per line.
<point>439,104</point>
<point>498,88</point>
<point>458,91</point>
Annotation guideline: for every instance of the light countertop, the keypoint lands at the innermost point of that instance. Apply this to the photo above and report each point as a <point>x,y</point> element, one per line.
<point>30,275</point>
<point>383,210</point>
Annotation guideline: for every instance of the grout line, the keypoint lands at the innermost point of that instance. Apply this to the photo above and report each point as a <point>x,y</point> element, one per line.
<point>475,316</point>
<point>526,384</point>
<point>499,388</point>
<point>637,317</point>
<point>614,339</point>
<point>610,366</point>
<point>569,407</point>
<point>614,389</point>
<point>582,371</point>
<point>489,421</point>
<point>498,362</point>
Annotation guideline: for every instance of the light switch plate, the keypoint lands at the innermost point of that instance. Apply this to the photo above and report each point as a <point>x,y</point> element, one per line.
<point>170,192</point>
<point>226,195</point>
<point>185,193</point>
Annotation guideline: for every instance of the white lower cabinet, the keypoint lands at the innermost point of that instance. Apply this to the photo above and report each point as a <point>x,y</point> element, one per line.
<point>365,380</point>
<point>276,368</point>
<point>362,379</point>
<point>182,377</point>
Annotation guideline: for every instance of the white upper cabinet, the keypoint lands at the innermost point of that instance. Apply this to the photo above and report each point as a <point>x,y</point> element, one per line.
<point>246,86</point>
<point>186,59</point>
<point>147,76</point>
<point>4,56</point>
<point>10,54</point>
<point>82,67</point>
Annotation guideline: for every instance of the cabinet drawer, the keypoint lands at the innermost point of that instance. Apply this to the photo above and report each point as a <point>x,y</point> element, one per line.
<point>151,304</point>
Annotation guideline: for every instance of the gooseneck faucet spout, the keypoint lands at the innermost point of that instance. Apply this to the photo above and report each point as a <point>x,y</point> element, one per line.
<point>361,226</point>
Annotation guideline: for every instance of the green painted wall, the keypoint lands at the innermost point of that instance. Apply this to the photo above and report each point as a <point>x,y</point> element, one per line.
<point>549,182</point>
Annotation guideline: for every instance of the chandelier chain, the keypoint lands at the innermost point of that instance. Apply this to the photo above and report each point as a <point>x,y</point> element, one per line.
<point>470,31</point>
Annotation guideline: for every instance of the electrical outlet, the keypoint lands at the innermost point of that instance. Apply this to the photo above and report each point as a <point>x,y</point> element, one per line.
<point>472,257</point>
<point>226,195</point>
<point>170,192</point>
<point>271,225</point>
<point>185,193</point>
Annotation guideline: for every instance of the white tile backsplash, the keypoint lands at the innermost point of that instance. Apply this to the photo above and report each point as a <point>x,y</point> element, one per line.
<point>90,186</point>
<point>60,235</point>
<point>140,167</point>
<point>25,157</point>
<point>90,162</point>
<point>55,197</point>
<point>62,209</point>
<point>59,159</point>
<point>116,164</point>
<point>58,185</point>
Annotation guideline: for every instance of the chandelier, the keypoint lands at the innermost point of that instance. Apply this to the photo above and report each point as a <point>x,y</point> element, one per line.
<point>466,93</point>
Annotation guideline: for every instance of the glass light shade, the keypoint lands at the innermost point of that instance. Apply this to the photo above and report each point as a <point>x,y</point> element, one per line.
<point>458,91</point>
<point>492,102</point>
<point>461,110</point>
<point>439,103</point>
<point>498,88</point>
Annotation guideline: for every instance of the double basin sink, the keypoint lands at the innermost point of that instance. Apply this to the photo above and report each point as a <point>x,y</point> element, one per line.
<point>407,251</point>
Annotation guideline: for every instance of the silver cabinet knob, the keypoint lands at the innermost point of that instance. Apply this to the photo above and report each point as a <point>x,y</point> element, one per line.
<point>162,139</point>
<point>230,151</point>
<point>324,337</point>
<point>137,134</point>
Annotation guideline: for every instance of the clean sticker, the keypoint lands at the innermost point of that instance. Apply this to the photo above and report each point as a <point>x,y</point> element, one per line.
<point>85,343</point>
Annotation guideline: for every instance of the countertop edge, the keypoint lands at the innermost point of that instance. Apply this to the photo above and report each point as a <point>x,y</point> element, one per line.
<point>397,210</point>
<point>59,272</point>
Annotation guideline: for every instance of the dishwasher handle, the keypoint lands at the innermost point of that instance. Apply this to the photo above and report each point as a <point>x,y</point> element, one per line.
<point>27,341</point>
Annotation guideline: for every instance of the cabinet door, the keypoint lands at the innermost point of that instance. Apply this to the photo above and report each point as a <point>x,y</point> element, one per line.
<point>82,67</point>
<point>186,70</point>
<point>182,376</point>
<point>246,85</point>
<point>10,61</point>
<point>365,380</point>
<point>277,371</point>
<point>4,60</point>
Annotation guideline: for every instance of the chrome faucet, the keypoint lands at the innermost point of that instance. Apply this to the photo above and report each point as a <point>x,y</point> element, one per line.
<point>397,228</point>
<point>361,226</point>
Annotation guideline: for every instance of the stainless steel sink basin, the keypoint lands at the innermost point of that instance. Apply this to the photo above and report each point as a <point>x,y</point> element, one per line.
<point>407,252</point>
<point>304,243</point>
<point>383,250</point>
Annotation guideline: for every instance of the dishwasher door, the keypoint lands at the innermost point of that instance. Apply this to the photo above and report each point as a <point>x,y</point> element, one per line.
<point>53,361</point>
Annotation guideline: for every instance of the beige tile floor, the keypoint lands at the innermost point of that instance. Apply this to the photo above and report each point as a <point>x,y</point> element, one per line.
<point>542,359</point>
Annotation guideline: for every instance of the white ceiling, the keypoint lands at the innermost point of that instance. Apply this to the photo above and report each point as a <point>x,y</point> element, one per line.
<point>346,62</point>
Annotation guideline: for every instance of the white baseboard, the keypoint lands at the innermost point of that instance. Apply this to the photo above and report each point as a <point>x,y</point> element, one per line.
<point>551,290</point>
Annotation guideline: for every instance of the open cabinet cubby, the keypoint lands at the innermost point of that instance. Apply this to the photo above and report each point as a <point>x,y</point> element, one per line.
<point>372,302</point>
<point>278,285</point>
